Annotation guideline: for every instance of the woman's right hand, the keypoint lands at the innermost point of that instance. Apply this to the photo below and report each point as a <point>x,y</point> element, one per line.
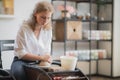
<point>47,58</point>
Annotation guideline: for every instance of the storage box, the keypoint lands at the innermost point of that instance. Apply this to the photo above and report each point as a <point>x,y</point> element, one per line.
<point>59,31</point>
<point>73,30</point>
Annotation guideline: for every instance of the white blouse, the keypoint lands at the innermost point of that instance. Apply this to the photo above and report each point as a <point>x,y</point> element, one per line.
<point>26,42</point>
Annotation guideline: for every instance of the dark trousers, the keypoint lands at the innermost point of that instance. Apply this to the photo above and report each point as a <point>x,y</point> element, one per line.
<point>17,68</point>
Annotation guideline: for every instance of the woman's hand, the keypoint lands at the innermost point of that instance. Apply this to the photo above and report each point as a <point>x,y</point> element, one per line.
<point>47,58</point>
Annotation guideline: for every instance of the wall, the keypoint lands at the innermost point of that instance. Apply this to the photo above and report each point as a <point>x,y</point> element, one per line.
<point>22,11</point>
<point>116,56</point>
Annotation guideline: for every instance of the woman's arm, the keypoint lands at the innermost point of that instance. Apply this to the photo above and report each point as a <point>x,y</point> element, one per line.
<point>34,57</point>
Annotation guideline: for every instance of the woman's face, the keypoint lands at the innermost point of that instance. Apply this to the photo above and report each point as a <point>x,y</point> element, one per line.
<point>43,18</point>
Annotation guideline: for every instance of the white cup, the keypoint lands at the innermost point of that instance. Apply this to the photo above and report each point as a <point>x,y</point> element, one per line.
<point>68,62</point>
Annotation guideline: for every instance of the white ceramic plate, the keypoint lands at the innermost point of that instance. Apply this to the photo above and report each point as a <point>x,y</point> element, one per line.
<point>44,66</point>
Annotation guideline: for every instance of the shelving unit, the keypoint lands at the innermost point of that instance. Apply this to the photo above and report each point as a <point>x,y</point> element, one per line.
<point>95,47</point>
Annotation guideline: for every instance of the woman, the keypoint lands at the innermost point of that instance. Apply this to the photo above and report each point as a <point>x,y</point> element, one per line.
<point>33,41</point>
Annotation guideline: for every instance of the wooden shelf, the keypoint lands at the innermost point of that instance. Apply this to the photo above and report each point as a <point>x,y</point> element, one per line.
<point>93,47</point>
<point>6,16</point>
<point>95,59</point>
<point>93,1</point>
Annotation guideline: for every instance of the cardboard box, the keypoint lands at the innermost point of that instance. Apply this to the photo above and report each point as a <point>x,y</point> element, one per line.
<point>59,31</point>
<point>73,30</point>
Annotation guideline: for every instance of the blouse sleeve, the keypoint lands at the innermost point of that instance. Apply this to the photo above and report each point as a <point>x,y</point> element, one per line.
<point>20,45</point>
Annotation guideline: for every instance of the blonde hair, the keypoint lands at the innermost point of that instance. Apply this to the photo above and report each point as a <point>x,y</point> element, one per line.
<point>40,7</point>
